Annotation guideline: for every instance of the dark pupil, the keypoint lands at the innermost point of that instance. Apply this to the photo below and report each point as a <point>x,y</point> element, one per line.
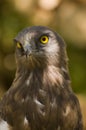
<point>44,39</point>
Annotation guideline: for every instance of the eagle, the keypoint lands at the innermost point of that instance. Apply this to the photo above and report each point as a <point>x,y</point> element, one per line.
<point>40,97</point>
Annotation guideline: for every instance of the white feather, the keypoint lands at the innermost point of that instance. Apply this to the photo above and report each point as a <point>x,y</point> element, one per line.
<point>4,125</point>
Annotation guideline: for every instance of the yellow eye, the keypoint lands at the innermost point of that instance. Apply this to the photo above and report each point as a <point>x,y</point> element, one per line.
<point>44,39</point>
<point>19,45</point>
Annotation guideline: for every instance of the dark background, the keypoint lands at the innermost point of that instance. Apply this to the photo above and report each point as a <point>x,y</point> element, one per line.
<point>67,17</point>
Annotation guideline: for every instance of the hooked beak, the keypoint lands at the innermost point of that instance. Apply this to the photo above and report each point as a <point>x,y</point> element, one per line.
<point>28,50</point>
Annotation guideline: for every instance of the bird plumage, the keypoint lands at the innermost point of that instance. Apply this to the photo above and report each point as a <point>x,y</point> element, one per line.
<point>40,97</point>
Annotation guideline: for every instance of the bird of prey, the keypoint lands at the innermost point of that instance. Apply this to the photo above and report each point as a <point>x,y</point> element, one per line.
<point>40,97</point>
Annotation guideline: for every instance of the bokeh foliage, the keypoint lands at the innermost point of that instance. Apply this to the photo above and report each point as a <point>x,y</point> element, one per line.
<point>66,17</point>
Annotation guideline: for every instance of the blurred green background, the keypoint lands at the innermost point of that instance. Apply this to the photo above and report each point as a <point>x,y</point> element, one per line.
<point>67,17</point>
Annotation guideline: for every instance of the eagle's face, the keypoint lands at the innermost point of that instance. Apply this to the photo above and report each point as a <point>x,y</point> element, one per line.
<point>38,46</point>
